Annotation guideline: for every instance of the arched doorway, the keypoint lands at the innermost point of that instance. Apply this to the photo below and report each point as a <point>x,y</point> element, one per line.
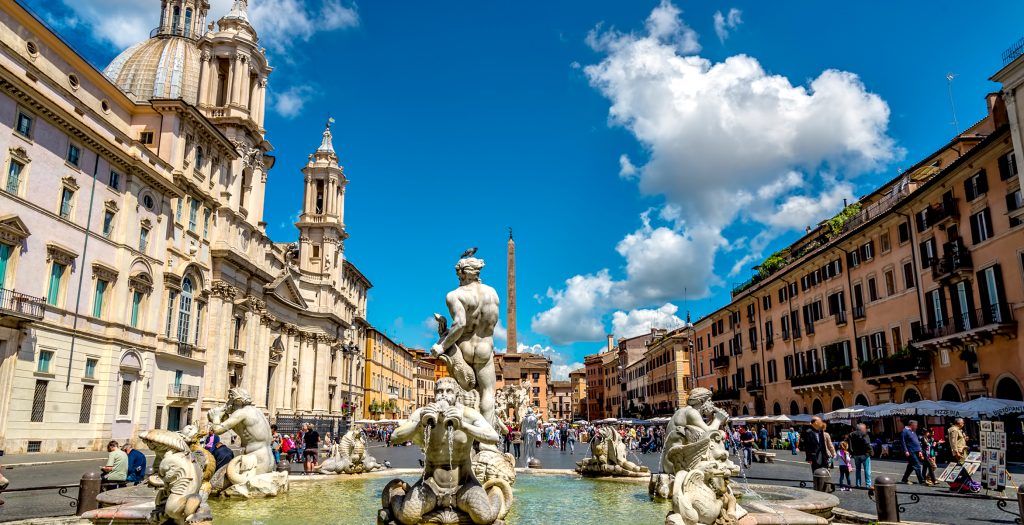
<point>817,407</point>
<point>777,409</point>
<point>911,395</point>
<point>129,373</point>
<point>837,403</point>
<point>794,409</point>
<point>950,393</point>
<point>861,400</point>
<point>1007,388</point>
<point>745,411</point>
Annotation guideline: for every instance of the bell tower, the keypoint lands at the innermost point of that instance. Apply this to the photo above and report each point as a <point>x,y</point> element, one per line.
<point>322,221</point>
<point>185,18</point>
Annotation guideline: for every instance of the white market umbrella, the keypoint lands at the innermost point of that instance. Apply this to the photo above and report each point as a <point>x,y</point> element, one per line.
<point>883,410</point>
<point>845,413</point>
<point>987,406</point>
<point>928,407</point>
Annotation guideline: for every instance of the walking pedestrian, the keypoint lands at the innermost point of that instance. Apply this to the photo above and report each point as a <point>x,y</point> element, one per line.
<point>747,442</point>
<point>928,464</point>
<point>794,440</point>
<point>563,436</point>
<point>861,450</point>
<point>517,442</point>
<point>572,440</point>
<point>843,455</point>
<point>817,445</point>
<point>912,451</point>
<point>311,453</point>
<point>763,435</point>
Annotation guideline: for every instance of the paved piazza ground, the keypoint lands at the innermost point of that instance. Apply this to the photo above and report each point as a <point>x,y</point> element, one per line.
<point>59,469</point>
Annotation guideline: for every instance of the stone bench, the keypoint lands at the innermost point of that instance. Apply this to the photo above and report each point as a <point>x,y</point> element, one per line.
<point>764,457</point>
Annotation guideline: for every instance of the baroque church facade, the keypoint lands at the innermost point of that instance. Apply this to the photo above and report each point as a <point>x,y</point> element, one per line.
<point>137,281</point>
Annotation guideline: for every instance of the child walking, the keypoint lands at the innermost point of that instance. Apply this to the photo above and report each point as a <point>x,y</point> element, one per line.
<point>845,461</point>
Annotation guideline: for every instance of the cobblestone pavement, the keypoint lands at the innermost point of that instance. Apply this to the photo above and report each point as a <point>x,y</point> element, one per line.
<point>59,469</point>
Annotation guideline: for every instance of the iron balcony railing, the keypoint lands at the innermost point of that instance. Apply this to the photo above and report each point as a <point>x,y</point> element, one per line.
<point>726,394</point>
<point>859,313</point>
<point>826,376</point>
<point>183,391</point>
<point>895,365</point>
<point>17,304</point>
<point>991,315</point>
<point>840,317</point>
<point>1011,53</point>
<point>721,361</point>
<point>955,258</point>
<point>185,349</point>
<point>754,386</point>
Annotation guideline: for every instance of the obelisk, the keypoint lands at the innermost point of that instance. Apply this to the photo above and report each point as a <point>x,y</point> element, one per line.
<point>510,317</point>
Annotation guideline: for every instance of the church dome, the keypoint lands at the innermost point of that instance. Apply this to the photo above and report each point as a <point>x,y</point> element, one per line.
<point>162,67</point>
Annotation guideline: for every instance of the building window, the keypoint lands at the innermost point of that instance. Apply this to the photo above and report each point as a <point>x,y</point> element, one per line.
<point>171,297</point>
<point>316,251</point>
<point>90,368</point>
<point>143,239</point>
<point>981,226</point>
<point>74,155</point>
<point>108,223</point>
<point>56,276</point>
<point>85,412</point>
<point>976,186</point>
<point>883,241</point>
<point>24,124</point>
<point>193,213</point>
<point>890,283</point>
<point>1014,202</point>
<point>146,137</point>
<point>39,401</point>
<point>14,176</point>
<point>1007,166</point>
<point>199,158</point>
<point>238,334</point>
<point>199,322</point>
<point>97,303</point>
<point>125,404</point>
<point>177,211</point>
<point>66,195</point>
<point>136,303</point>
<point>115,180</point>
<point>45,357</point>
<point>184,309</point>
<point>928,253</point>
<point>206,223</point>
<point>903,232</point>
<point>148,202</point>
<point>872,290</point>
<point>188,22</point>
<point>908,275</point>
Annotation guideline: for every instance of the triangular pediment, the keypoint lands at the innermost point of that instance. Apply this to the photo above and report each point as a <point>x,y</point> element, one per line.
<point>286,289</point>
<point>13,229</point>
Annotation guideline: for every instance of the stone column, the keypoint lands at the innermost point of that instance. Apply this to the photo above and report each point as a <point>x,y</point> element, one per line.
<point>229,96</point>
<point>321,401</point>
<point>236,77</point>
<point>256,194</point>
<point>252,326</point>
<point>307,372</point>
<point>243,92</point>
<point>260,358</point>
<point>263,102</point>
<point>204,78</point>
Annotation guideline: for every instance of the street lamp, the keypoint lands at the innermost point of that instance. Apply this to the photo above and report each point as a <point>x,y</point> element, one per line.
<point>351,349</point>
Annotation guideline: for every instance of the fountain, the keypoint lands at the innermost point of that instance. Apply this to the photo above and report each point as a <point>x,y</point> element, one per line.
<point>349,455</point>
<point>608,457</point>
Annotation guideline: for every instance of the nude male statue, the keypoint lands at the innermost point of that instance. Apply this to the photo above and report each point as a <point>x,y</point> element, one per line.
<point>690,425</point>
<point>448,480</point>
<point>253,429</point>
<point>474,310</point>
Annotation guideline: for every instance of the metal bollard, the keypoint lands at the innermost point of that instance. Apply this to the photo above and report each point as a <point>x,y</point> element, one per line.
<point>823,480</point>
<point>885,499</point>
<point>1020,499</point>
<point>88,490</point>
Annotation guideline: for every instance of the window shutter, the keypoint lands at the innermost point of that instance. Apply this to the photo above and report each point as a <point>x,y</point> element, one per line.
<point>982,182</point>
<point>968,190</point>
<point>975,231</point>
<point>1004,167</point>
<point>988,223</point>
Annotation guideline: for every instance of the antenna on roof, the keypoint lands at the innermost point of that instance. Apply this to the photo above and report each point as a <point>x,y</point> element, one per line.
<point>949,84</point>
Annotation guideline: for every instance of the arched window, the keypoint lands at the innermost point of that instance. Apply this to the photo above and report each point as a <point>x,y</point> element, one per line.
<point>184,309</point>
<point>1007,388</point>
<point>176,18</point>
<point>794,409</point>
<point>837,403</point>
<point>861,400</point>
<point>817,406</point>
<point>199,158</point>
<point>187,30</point>
<point>777,409</point>
<point>950,393</point>
<point>911,396</point>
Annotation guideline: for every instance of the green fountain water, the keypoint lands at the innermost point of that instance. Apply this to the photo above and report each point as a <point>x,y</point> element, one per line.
<point>540,500</point>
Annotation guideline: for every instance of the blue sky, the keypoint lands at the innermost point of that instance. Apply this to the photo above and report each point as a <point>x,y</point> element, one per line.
<point>646,154</point>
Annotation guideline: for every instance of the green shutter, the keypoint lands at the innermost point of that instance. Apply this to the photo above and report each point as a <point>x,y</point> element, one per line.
<point>5,254</point>
<point>56,272</point>
<point>136,299</point>
<point>97,305</point>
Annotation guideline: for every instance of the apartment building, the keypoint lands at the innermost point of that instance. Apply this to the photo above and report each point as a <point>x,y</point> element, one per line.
<point>391,374</point>
<point>910,293</point>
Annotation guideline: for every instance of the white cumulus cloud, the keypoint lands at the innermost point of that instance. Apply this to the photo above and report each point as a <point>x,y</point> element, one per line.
<point>726,141</point>
<point>560,365</point>
<point>727,22</point>
<point>289,103</point>
<point>641,321</point>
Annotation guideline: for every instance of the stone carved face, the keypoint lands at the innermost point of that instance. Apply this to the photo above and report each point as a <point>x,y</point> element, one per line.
<point>447,391</point>
<point>238,398</point>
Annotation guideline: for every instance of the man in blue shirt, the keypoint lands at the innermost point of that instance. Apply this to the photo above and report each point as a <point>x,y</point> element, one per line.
<point>222,455</point>
<point>763,434</point>
<point>136,464</point>
<point>912,450</point>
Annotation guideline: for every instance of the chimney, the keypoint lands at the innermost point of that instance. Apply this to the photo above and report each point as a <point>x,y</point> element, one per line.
<point>611,342</point>
<point>997,109</point>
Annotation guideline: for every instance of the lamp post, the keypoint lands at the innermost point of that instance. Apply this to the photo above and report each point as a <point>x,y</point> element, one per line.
<point>350,349</point>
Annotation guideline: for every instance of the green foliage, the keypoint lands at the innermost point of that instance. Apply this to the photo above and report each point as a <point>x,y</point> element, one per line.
<point>773,263</point>
<point>835,224</point>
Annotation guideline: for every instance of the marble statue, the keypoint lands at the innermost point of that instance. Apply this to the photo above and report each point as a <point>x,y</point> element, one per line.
<point>608,457</point>
<point>251,473</point>
<point>696,465</point>
<point>349,455</point>
<point>448,491</point>
<point>202,456</point>
<point>514,398</point>
<point>529,427</point>
<point>177,478</point>
<point>467,346</point>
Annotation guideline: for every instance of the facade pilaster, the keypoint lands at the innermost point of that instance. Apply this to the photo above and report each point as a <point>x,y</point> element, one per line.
<point>204,78</point>
<point>306,373</point>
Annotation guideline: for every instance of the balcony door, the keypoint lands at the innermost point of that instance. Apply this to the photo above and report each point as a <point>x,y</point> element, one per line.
<point>993,297</point>
<point>174,419</point>
<point>964,305</point>
<point>184,309</point>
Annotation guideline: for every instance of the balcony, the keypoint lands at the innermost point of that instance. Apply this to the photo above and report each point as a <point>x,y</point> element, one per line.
<point>178,391</point>
<point>978,327</point>
<point>17,308</point>
<point>236,356</point>
<point>186,350</point>
<point>859,313</point>
<point>840,317</point>
<point>755,387</point>
<point>896,368</point>
<point>955,262</point>
<point>721,361</point>
<point>728,394</point>
<point>824,380</point>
